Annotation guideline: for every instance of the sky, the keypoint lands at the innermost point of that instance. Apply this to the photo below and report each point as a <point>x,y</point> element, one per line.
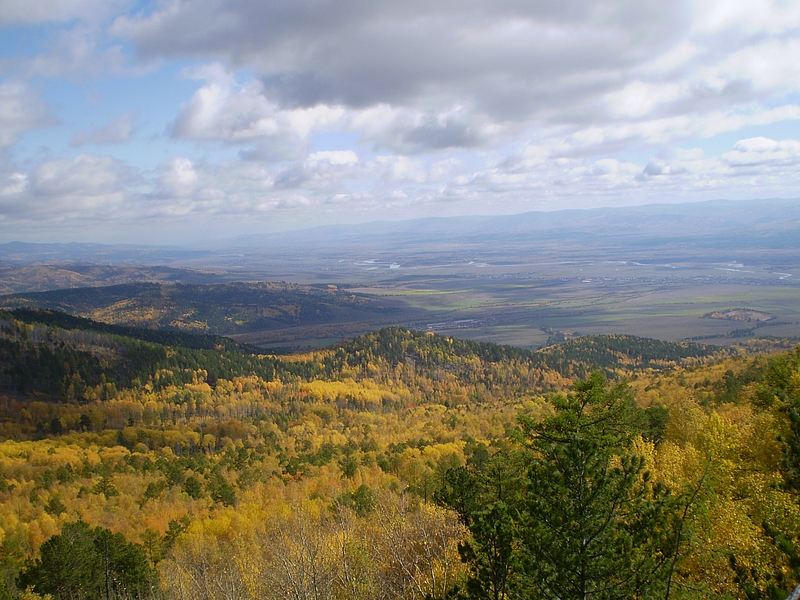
<point>188,121</point>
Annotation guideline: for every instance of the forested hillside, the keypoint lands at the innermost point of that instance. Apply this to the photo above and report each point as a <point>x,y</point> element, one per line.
<point>223,308</point>
<point>143,464</point>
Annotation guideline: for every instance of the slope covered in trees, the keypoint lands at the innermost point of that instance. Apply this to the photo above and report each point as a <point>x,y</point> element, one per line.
<point>354,462</point>
<point>71,358</point>
<point>166,337</point>
<point>609,352</point>
<point>66,358</point>
<point>223,308</point>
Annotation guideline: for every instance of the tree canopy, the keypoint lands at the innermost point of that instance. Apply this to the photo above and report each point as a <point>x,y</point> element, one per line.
<point>89,563</point>
<point>581,519</point>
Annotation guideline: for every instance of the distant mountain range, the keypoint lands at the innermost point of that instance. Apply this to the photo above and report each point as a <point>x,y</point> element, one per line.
<point>38,276</point>
<point>76,252</point>
<point>771,223</point>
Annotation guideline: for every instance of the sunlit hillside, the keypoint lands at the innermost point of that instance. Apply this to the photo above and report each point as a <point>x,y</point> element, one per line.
<point>237,474</point>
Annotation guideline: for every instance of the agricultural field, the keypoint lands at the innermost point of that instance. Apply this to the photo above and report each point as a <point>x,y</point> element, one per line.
<point>655,271</point>
<point>526,311</point>
<point>528,308</point>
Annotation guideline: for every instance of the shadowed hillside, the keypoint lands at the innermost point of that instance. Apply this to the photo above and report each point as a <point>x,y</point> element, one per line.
<point>220,309</point>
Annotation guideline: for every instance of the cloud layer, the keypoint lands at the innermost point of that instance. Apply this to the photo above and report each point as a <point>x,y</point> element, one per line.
<point>509,59</point>
<point>291,113</point>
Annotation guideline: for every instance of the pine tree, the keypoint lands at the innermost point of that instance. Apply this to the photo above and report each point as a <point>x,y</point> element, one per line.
<point>592,524</point>
<point>570,513</point>
<point>487,496</point>
<point>86,563</point>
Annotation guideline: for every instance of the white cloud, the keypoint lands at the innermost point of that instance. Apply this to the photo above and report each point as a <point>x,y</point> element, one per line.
<point>15,184</point>
<point>86,175</point>
<point>83,189</point>
<point>179,177</point>
<point>655,132</point>
<point>762,151</point>
<point>339,199</point>
<point>506,59</point>
<point>401,169</point>
<point>766,66</point>
<point>412,130</point>
<point>224,110</point>
<point>638,98</point>
<point>295,201</point>
<point>79,50</point>
<point>434,77</point>
<point>745,16</point>
<point>20,109</point>
<point>488,107</point>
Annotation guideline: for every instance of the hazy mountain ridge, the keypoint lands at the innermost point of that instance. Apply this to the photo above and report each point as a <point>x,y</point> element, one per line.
<point>82,252</point>
<point>657,221</point>
<point>40,277</point>
<point>776,221</point>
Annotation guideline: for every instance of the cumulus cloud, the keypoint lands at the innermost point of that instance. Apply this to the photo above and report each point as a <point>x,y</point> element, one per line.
<point>84,188</point>
<point>223,110</point>
<point>436,76</point>
<point>383,107</point>
<point>401,169</point>
<point>292,202</point>
<point>759,166</point>
<point>746,16</point>
<point>20,109</point>
<point>770,65</point>
<point>15,183</point>
<point>507,59</point>
<point>179,177</point>
<point>85,174</point>
<point>762,151</point>
<point>80,51</point>
<point>116,131</point>
<point>226,111</point>
<point>412,130</point>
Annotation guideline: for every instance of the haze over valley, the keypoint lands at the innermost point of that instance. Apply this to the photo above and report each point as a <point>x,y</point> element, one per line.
<point>670,272</point>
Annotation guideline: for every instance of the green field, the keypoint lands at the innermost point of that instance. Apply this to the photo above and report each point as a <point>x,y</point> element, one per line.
<point>528,311</point>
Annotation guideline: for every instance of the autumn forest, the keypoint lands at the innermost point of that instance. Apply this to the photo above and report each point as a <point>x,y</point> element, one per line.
<point>398,465</point>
